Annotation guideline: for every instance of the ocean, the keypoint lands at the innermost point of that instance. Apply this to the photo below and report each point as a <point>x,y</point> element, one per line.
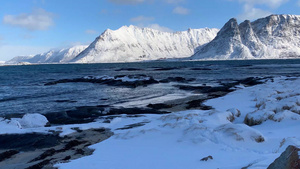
<point>23,89</point>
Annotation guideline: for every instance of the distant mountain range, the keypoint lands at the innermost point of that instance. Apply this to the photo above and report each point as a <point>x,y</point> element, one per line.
<point>52,56</point>
<point>273,37</point>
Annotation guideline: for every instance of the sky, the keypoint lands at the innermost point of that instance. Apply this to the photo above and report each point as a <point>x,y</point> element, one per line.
<point>29,27</point>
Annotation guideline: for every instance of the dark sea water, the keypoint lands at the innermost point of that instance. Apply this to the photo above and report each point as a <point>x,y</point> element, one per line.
<point>22,88</point>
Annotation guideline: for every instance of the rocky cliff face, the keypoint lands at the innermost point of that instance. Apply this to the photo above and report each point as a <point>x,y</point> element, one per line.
<point>130,44</point>
<point>52,56</point>
<point>273,37</point>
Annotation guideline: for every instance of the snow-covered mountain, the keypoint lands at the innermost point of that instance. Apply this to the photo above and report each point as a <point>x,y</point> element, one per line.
<point>131,43</point>
<point>18,59</point>
<point>52,56</point>
<point>273,37</point>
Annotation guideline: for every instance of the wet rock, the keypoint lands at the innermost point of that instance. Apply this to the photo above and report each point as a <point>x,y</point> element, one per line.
<point>251,81</point>
<point>120,80</point>
<point>159,106</point>
<point>40,164</point>
<point>130,126</point>
<point>47,153</point>
<point>87,114</point>
<point>193,88</point>
<point>26,142</point>
<point>176,79</point>
<point>135,111</point>
<point>8,154</point>
<point>198,104</point>
<point>66,148</point>
<point>225,87</point>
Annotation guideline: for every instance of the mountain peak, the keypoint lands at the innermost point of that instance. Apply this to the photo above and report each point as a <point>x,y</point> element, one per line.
<point>275,36</point>
<point>132,43</point>
<point>231,27</point>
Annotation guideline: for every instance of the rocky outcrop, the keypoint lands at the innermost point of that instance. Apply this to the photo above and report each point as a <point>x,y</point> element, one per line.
<point>289,159</point>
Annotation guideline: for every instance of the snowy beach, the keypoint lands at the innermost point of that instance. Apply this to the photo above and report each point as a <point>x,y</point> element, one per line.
<point>182,139</point>
<point>249,127</point>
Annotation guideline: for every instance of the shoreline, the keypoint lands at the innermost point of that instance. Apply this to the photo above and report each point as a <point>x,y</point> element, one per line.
<point>48,156</point>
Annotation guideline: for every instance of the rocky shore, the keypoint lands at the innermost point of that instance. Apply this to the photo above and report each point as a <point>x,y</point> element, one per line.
<point>36,150</point>
<point>43,150</point>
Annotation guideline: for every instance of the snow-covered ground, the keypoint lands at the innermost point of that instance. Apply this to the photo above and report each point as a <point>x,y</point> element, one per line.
<point>181,139</point>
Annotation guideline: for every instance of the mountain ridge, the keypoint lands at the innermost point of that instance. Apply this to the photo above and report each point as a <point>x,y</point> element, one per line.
<point>53,56</point>
<point>272,37</point>
<point>131,43</point>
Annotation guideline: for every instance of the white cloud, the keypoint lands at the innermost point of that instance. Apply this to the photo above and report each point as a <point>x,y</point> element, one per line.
<point>142,19</point>
<point>160,28</point>
<point>269,3</point>
<point>126,2</point>
<point>91,32</point>
<point>298,3</point>
<point>251,13</point>
<point>145,22</point>
<point>181,11</point>
<point>39,19</point>
<point>251,10</point>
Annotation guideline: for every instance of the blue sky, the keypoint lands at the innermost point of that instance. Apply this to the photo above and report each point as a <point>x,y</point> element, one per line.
<point>36,26</point>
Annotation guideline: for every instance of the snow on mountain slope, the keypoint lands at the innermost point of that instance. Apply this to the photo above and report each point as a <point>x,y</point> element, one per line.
<point>52,56</point>
<point>129,44</point>
<point>273,37</point>
<point>18,59</point>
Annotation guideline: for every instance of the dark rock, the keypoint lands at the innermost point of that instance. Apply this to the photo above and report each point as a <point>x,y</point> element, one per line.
<point>193,88</point>
<point>207,158</point>
<point>35,158</point>
<point>87,114</point>
<point>40,164</point>
<point>67,158</point>
<point>251,81</point>
<point>141,80</point>
<point>260,139</point>
<point>79,151</point>
<point>135,111</point>
<point>130,126</point>
<point>176,79</point>
<point>25,142</point>
<point>289,159</point>
<point>8,154</point>
<point>225,87</point>
<point>73,143</point>
<point>159,106</point>
<point>198,104</point>
<point>44,155</point>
